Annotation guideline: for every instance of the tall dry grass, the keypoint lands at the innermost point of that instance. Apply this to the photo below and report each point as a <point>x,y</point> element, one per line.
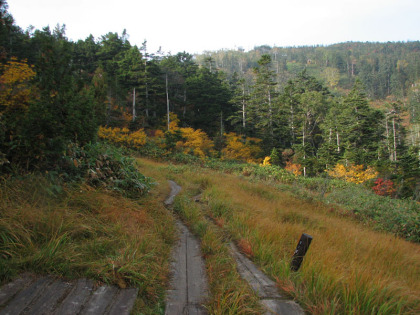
<point>83,232</point>
<point>349,268</point>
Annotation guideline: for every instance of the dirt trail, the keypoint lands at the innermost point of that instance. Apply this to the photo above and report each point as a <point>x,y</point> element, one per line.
<point>189,288</point>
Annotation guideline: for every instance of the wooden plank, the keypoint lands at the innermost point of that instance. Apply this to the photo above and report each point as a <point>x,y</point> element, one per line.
<point>176,297</point>
<point>124,302</point>
<point>99,300</point>
<point>9,290</point>
<point>25,297</point>
<point>47,301</point>
<point>77,297</point>
<point>196,275</point>
<point>263,286</point>
<point>282,307</point>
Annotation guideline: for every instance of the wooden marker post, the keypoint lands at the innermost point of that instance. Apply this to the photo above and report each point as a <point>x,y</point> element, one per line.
<point>301,249</point>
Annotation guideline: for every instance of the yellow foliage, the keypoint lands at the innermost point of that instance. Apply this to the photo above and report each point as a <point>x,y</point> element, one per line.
<point>266,161</point>
<point>196,142</point>
<point>173,121</point>
<point>238,148</point>
<point>123,136</point>
<point>15,88</point>
<point>296,169</point>
<point>353,174</point>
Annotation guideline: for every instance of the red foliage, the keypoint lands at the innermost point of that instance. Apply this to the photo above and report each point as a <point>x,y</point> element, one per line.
<point>384,187</point>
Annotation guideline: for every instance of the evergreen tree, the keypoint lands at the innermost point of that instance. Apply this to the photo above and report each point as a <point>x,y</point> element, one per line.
<point>264,107</point>
<point>364,131</point>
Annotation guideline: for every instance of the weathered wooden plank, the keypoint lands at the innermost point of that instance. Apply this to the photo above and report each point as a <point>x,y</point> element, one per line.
<point>176,297</point>
<point>282,307</point>
<point>47,301</point>
<point>9,290</point>
<point>197,279</point>
<point>124,302</point>
<point>99,300</point>
<point>75,300</point>
<point>25,297</point>
<point>264,287</point>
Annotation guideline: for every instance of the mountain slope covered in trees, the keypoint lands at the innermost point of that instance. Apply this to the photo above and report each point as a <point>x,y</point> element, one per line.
<point>309,107</point>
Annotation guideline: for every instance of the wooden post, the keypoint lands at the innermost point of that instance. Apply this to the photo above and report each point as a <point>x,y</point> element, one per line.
<point>301,249</point>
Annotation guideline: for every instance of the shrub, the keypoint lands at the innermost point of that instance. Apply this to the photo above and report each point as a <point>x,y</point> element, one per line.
<point>195,142</point>
<point>122,136</point>
<point>384,187</point>
<point>244,149</point>
<point>357,174</point>
<point>105,166</point>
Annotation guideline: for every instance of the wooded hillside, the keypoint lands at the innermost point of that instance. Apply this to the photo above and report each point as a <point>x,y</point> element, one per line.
<point>307,107</point>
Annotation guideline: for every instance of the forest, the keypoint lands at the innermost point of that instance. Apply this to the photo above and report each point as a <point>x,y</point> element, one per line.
<point>336,109</point>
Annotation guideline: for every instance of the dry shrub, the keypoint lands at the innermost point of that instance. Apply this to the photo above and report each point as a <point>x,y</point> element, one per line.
<point>245,247</point>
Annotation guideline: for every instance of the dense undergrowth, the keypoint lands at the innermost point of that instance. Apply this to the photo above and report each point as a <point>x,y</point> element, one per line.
<point>349,268</point>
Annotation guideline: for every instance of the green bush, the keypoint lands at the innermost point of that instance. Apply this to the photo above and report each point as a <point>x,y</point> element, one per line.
<point>103,165</point>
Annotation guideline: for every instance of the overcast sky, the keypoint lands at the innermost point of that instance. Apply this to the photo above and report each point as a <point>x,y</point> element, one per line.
<point>197,25</point>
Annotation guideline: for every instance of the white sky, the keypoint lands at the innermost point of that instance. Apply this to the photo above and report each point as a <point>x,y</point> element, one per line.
<point>198,25</point>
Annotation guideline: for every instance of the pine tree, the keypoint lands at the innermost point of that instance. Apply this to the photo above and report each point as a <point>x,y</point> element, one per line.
<point>363,132</point>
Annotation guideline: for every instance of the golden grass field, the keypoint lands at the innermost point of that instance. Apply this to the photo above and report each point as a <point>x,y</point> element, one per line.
<point>349,268</point>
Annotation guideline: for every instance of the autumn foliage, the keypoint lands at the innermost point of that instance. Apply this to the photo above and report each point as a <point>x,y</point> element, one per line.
<point>241,148</point>
<point>266,161</point>
<point>384,187</point>
<point>15,87</point>
<point>295,169</point>
<point>357,174</point>
<point>123,136</point>
<point>196,142</point>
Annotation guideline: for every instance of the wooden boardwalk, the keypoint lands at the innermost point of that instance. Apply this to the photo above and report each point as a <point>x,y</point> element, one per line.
<point>47,295</point>
<point>188,288</point>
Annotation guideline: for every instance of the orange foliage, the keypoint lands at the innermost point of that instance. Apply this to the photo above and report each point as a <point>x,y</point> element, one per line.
<point>353,174</point>
<point>196,142</point>
<point>15,88</point>
<point>123,136</point>
<point>245,247</point>
<point>238,148</point>
<point>295,169</point>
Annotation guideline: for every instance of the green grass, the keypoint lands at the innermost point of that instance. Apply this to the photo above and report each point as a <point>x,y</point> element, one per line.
<point>86,232</point>
<point>349,269</point>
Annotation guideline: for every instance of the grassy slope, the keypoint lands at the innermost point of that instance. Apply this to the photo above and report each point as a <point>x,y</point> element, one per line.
<point>349,268</point>
<point>83,232</point>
